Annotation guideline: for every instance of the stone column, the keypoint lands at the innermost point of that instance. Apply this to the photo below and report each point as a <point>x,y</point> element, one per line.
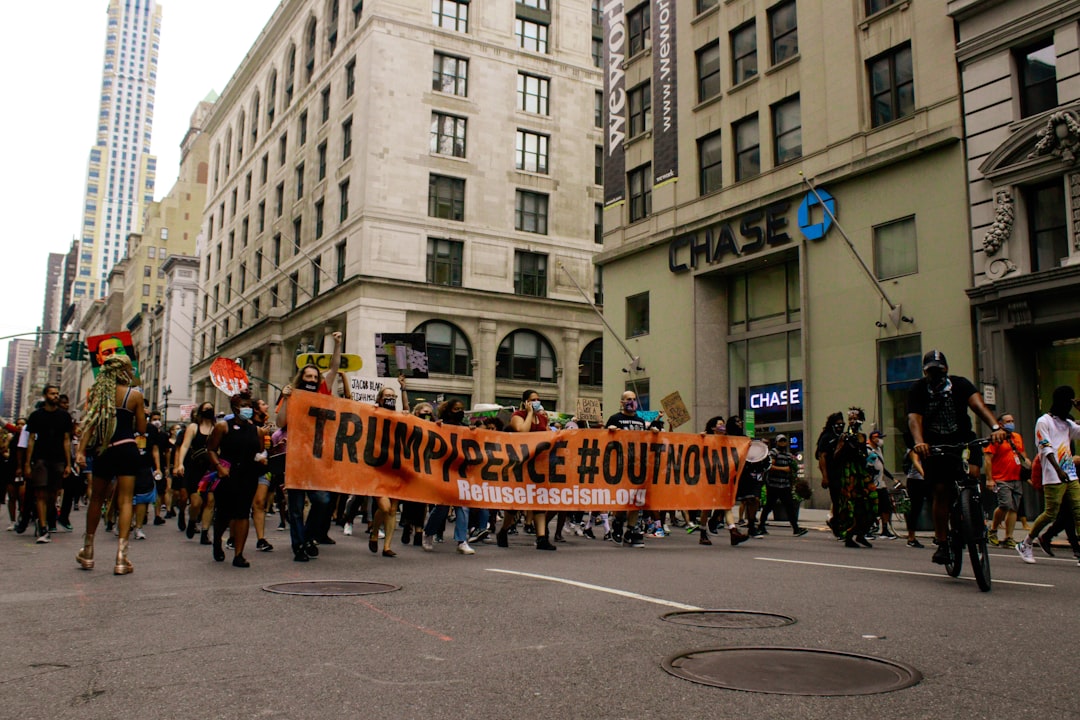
<point>567,372</point>
<point>484,362</point>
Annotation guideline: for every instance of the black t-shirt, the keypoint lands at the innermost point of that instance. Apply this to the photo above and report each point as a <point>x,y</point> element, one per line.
<point>155,436</point>
<point>826,445</point>
<point>945,418</point>
<point>49,428</point>
<point>631,422</point>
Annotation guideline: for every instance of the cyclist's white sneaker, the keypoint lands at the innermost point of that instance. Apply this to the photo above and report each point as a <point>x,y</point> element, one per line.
<point>1024,549</point>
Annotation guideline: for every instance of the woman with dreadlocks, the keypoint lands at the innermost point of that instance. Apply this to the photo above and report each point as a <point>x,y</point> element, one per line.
<point>115,414</point>
<point>858,494</point>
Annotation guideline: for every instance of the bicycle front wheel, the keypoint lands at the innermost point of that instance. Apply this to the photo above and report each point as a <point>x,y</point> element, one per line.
<point>975,538</point>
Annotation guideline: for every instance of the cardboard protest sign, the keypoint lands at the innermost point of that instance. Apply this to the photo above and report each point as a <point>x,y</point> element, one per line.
<point>349,363</point>
<point>366,389</point>
<point>675,410</point>
<point>228,377</point>
<point>589,410</point>
<point>355,448</point>
<point>101,347</point>
<point>401,354</point>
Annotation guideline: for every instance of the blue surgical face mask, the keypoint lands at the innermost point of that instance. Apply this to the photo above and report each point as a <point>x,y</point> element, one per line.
<point>1010,426</point>
<point>246,413</point>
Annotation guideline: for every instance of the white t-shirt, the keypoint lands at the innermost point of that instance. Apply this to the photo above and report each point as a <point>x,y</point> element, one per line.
<point>1052,436</point>
<point>24,438</point>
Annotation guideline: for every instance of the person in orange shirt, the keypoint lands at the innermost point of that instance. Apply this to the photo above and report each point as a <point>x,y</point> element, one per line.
<point>1001,464</point>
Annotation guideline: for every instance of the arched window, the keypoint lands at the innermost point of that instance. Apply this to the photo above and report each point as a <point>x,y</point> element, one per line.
<point>271,99</point>
<point>591,365</point>
<point>525,355</point>
<point>290,73</point>
<point>228,152</point>
<point>217,165</point>
<point>447,347</point>
<point>240,138</point>
<point>255,119</point>
<point>332,14</point>
<point>309,50</point>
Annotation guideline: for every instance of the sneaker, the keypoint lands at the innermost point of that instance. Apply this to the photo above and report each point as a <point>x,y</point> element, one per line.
<point>428,543</point>
<point>43,538</point>
<point>478,535</point>
<point>1009,543</point>
<point>382,535</point>
<point>464,549</point>
<point>1024,550</point>
<point>230,544</point>
<point>139,534</point>
<point>263,546</point>
<point>158,520</point>
<point>941,555</point>
<point>347,530</point>
<point>800,532</point>
<point>994,540</point>
<point>607,537</point>
<point>915,544</point>
<point>65,525</point>
<point>1045,545</point>
<point>756,534</point>
<point>281,528</point>
<point>587,532</point>
<point>889,535</point>
<point>762,530</point>
<point>11,527</point>
<point>637,540</point>
<point>667,529</point>
<point>692,528</point>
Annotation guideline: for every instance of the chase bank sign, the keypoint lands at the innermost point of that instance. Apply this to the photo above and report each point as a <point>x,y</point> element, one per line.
<point>750,233</point>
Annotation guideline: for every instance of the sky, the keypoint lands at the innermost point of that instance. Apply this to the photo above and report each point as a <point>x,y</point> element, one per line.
<point>51,119</point>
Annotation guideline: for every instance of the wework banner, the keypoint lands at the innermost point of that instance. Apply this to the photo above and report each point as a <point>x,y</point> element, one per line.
<point>615,110</point>
<point>665,103</point>
<point>357,448</point>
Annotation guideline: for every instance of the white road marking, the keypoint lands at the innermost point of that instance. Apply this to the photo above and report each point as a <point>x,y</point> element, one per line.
<point>600,588</point>
<point>897,572</point>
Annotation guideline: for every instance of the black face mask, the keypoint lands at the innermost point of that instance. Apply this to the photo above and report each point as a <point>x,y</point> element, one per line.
<point>455,417</point>
<point>936,378</point>
<point>208,414</point>
<point>388,403</point>
<point>309,386</point>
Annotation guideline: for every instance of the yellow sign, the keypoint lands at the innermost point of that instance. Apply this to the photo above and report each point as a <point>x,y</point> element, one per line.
<point>349,363</point>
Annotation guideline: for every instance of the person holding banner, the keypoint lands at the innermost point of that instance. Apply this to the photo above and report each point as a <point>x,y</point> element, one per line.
<point>628,419</point>
<point>413,513</point>
<point>115,414</point>
<point>235,450</point>
<point>451,412</point>
<point>386,508</point>
<point>530,417</point>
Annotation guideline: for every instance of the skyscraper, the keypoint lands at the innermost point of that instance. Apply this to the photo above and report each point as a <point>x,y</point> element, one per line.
<point>120,173</point>
<point>52,307</point>
<point>18,361</point>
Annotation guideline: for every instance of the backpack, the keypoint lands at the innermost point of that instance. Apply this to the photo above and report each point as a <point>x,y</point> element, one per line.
<point>1036,472</point>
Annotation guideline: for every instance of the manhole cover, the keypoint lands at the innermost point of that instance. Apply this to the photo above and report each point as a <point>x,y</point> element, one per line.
<point>331,587</point>
<point>792,671</point>
<point>728,619</point>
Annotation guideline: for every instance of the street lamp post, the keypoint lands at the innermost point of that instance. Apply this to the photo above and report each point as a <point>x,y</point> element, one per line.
<point>165,393</point>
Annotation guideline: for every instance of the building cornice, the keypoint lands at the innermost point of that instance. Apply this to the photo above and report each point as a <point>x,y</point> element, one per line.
<point>1015,286</point>
<point>1059,12</point>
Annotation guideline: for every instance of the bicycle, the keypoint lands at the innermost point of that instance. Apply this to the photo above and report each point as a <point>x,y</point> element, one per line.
<point>966,524</point>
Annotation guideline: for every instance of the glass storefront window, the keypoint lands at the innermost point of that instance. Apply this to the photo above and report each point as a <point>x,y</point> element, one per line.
<point>766,374</point>
<point>765,297</point>
<point>899,366</point>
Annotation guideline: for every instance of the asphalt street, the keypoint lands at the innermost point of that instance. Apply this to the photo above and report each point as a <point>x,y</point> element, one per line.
<point>466,637</point>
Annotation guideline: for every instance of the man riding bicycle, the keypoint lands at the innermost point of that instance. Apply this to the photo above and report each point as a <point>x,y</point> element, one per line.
<point>937,408</point>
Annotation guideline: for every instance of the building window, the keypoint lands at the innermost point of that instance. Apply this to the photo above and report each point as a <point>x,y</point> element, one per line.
<point>637,20</point>
<point>283,146</point>
<point>532,151</point>
<point>597,52</point>
<point>258,264</point>
<point>446,197</point>
<point>1047,224</point>
<point>358,12</point>
<point>703,5</point>
<point>525,355</point>
<point>260,216</point>
<point>297,226</point>
<point>301,127</point>
<point>764,298</point>
<point>530,274</point>
<point>532,93</point>
<point>787,130</point>
<point>531,212</point>
<point>444,261</point>
<point>325,103</point>
<point>1037,67</point>
<point>450,14</point>
<point>783,31</point>
<point>747,148</point>
<point>346,139</point>
<point>892,86</point>
<point>340,250</point>
<point>316,276</point>
<point>895,252</point>
<point>640,109</point>
<point>255,306</point>
<point>300,181</point>
<point>637,315</point>
<point>447,135</point>
<point>598,224</point>
<point>244,226</point>
<point>447,348</point>
<point>598,109</point>
<point>350,79</point>
<point>332,28</point>
<point>279,199</point>
<point>309,51</point>
<point>531,35</point>
<point>276,250</point>
<point>899,367</point>
<point>274,296</point>
<point>243,277</point>
<point>264,169</point>
<point>450,75</point>
<point>708,71</point>
<point>294,290</point>
<point>744,52</point>
<point>247,187</point>
<point>319,219</point>
<point>598,165</point>
<point>639,181</point>
<point>322,160</point>
<point>710,162</point>
<point>598,285</point>
<point>591,364</point>
<point>538,4</point>
<point>343,200</point>
<point>873,6</point>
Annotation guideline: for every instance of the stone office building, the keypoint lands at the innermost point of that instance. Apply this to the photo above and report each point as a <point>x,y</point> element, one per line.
<point>409,167</point>
<point>722,272</point>
<point>1020,68</point>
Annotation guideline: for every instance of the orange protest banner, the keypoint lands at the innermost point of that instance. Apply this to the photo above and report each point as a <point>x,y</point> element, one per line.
<point>356,448</point>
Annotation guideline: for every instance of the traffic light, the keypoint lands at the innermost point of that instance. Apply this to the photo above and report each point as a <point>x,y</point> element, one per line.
<point>76,350</point>
<point>84,354</point>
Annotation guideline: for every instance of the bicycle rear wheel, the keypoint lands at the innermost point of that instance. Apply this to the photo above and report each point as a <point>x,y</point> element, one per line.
<point>975,538</point>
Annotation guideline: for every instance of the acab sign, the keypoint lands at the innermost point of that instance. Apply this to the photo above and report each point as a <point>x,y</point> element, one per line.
<point>749,233</point>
